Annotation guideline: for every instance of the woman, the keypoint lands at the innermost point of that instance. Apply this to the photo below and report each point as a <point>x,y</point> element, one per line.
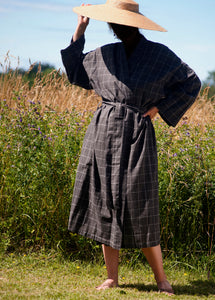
<point>115,200</point>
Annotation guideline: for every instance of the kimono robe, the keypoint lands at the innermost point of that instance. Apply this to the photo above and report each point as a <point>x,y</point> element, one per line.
<point>115,198</point>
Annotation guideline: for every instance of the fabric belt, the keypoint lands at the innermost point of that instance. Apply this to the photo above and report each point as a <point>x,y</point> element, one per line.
<point>121,108</point>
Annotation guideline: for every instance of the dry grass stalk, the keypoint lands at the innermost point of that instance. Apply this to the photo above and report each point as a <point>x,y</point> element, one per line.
<point>202,112</point>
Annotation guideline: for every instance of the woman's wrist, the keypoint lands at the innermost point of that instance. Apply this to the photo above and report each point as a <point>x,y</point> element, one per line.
<point>81,27</point>
<point>80,30</point>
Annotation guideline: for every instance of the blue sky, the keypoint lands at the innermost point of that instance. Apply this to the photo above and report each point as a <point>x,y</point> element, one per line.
<point>36,31</point>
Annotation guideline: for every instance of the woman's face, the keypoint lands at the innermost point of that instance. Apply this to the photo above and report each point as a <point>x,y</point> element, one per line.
<point>123,32</point>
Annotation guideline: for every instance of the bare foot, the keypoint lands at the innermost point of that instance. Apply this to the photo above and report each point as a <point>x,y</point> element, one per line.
<point>109,283</point>
<point>165,287</point>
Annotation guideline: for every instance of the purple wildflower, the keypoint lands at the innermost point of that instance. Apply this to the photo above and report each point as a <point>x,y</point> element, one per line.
<point>31,102</point>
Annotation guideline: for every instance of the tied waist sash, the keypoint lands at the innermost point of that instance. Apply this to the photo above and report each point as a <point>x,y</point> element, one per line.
<point>120,108</point>
<point>118,133</point>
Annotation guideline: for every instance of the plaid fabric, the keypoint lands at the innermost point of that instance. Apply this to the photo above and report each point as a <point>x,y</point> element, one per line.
<point>115,199</point>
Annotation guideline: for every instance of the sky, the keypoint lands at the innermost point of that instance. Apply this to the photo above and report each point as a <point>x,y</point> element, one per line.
<point>36,31</point>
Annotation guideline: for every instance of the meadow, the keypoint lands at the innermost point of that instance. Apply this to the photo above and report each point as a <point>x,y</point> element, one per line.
<point>42,126</point>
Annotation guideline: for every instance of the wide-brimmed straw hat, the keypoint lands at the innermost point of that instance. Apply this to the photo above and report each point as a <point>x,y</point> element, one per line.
<point>124,12</point>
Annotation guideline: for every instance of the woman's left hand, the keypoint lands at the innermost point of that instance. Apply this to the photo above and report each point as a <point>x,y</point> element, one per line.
<point>151,112</point>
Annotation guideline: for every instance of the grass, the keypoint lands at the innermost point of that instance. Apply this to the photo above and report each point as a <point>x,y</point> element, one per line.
<point>54,91</point>
<point>49,276</point>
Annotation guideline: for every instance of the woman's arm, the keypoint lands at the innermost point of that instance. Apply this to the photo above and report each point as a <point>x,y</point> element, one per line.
<point>73,56</point>
<point>81,27</point>
<point>181,91</point>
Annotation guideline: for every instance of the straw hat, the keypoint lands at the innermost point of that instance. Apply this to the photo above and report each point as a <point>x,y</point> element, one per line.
<point>125,12</point>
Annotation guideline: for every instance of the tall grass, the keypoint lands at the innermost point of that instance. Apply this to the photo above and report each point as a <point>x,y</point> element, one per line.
<point>41,133</point>
<point>52,91</point>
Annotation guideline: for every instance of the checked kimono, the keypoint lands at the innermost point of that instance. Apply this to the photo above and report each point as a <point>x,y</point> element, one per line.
<point>115,198</point>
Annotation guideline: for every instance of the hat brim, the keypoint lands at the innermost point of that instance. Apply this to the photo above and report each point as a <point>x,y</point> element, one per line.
<point>106,13</point>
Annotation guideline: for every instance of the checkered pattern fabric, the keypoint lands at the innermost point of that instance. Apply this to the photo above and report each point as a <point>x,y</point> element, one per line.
<point>115,199</point>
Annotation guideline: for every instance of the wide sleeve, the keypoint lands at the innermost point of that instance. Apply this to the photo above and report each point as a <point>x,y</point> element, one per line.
<point>180,91</point>
<point>72,58</point>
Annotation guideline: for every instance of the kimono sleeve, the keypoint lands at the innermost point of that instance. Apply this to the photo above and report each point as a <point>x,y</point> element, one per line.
<point>180,91</point>
<point>72,58</point>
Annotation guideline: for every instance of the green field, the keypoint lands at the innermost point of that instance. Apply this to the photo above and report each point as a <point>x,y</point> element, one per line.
<point>49,276</point>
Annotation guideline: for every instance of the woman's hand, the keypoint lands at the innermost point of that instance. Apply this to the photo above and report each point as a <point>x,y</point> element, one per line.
<point>151,112</point>
<point>81,27</point>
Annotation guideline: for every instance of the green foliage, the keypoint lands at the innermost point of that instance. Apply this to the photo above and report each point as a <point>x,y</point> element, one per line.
<point>187,187</point>
<point>39,155</point>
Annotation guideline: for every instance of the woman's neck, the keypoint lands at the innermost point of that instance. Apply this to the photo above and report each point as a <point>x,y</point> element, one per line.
<point>131,42</point>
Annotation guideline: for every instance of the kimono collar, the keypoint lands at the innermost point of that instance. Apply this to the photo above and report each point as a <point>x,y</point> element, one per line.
<point>136,50</point>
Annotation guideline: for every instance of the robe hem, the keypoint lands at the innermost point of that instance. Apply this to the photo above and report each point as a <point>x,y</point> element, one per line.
<point>112,245</point>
